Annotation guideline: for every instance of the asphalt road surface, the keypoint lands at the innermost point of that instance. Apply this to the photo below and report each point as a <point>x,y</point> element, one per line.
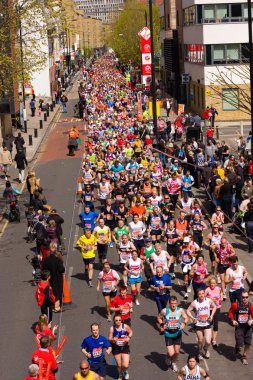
<point>19,310</point>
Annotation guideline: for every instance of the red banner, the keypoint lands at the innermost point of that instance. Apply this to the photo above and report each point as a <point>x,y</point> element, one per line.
<point>146,67</point>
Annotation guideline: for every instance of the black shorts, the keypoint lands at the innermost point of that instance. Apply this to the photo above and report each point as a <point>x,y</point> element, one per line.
<point>89,261</point>
<point>127,321</point>
<point>102,250</point>
<point>221,269</point>
<point>99,368</point>
<point>173,250</point>
<point>111,294</point>
<point>116,350</point>
<point>211,255</point>
<point>243,335</point>
<point>156,232</point>
<point>173,341</point>
<point>201,328</point>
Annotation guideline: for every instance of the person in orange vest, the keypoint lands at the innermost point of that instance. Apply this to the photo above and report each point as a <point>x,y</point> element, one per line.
<point>74,133</point>
<point>46,356</point>
<point>44,295</point>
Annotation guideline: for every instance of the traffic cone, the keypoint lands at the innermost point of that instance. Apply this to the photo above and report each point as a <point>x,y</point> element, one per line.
<point>79,186</point>
<point>66,294</point>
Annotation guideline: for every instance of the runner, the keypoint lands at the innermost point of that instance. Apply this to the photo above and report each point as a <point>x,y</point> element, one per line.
<point>213,242</point>
<point>125,248</point>
<point>119,337</point>
<point>160,258</point>
<point>187,260</point>
<point>241,315</point>
<point>145,255</point>
<point>122,305</point>
<point>192,370</point>
<point>198,274</point>
<point>137,230</point>
<point>214,293</point>
<point>103,235</point>
<point>172,320</point>
<point>134,268</point>
<point>222,256</point>
<point>161,284</point>
<point>85,372</point>
<point>202,321</point>
<point>235,277</point>
<point>88,243</point>
<point>93,348</point>
<point>88,218</point>
<point>109,279</point>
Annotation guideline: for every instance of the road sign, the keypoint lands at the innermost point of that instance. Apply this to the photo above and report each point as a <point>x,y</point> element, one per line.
<point>185,78</point>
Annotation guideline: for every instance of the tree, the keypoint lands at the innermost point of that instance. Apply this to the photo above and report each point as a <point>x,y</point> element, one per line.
<point>227,79</point>
<point>123,37</point>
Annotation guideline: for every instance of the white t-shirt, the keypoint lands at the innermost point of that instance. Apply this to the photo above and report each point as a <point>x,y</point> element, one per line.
<point>108,280</point>
<point>137,230</point>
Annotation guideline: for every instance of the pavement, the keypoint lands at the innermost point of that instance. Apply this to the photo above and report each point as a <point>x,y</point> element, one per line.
<point>58,174</point>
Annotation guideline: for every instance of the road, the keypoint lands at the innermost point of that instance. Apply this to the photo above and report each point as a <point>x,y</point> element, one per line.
<point>58,174</point>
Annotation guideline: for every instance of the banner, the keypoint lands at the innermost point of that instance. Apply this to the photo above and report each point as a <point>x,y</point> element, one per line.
<point>146,67</point>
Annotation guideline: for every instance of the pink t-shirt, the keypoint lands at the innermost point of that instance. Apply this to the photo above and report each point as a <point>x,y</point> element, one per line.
<point>214,295</point>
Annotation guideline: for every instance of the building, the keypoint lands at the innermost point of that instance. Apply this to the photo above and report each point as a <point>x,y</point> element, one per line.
<point>216,55</point>
<point>106,10</point>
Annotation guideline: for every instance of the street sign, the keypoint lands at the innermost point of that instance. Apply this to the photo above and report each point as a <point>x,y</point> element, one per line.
<point>185,78</point>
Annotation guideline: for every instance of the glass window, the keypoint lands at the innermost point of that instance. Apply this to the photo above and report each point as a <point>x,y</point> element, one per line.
<point>236,10</point>
<point>233,53</point>
<point>245,11</point>
<point>230,99</point>
<point>218,54</point>
<point>245,53</point>
<point>209,11</point>
<point>208,55</point>
<point>221,11</point>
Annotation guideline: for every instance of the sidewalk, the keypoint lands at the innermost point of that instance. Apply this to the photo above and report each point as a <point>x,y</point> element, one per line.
<point>31,150</point>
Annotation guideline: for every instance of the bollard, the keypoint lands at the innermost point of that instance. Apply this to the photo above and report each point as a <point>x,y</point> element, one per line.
<point>45,116</point>
<point>25,126</point>
<point>30,140</point>
<point>41,124</point>
<point>51,107</point>
<point>53,103</point>
<point>217,132</point>
<point>47,112</point>
<point>35,132</point>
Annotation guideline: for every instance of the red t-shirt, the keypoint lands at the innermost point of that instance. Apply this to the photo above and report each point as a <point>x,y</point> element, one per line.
<point>47,357</point>
<point>46,332</point>
<point>31,378</point>
<point>126,303</point>
<point>209,133</point>
<point>148,142</point>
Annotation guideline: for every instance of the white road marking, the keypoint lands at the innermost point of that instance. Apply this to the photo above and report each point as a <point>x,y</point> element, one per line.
<point>69,278</point>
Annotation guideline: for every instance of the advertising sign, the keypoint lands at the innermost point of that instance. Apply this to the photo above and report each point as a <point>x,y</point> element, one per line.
<point>146,67</point>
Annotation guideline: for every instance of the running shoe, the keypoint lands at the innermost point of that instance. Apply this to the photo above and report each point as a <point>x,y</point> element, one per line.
<point>126,375</point>
<point>137,303</point>
<point>200,356</point>
<point>189,289</point>
<point>214,343</point>
<point>173,276</point>
<point>244,361</point>
<point>174,367</point>
<point>90,284</point>
<point>218,279</point>
<point>224,297</point>
<point>206,353</point>
<point>109,318</point>
<point>186,296</point>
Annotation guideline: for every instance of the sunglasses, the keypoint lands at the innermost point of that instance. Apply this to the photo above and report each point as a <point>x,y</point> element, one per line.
<point>117,320</point>
<point>245,297</point>
<point>83,368</point>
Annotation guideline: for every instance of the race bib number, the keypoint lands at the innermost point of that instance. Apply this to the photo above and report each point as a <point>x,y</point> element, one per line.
<point>243,318</point>
<point>97,352</point>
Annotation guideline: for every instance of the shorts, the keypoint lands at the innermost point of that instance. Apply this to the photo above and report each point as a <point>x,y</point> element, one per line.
<point>156,232</point>
<point>169,341</point>
<point>102,251</point>
<point>110,294</point>
<point>126,321</point>
<point>222,268</point>
<point>211,255</point>
<point>116,350</point>
<point>243,335</point>
<point>89,261</point>
<point>136,280</point>
<point>201,328</point>
<point>173,250</point>
<point>99,368</point>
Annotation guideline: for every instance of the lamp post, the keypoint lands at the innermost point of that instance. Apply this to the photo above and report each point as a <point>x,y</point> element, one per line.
<point>251,70</point>
<point>153,85</point>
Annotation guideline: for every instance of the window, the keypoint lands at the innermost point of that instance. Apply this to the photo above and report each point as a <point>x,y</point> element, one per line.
<point>221,12</point>
<point>245,53</point>
<point>208,54</point>
<point>218,54</point>
<point>236,10</point>
<point>233,53</point>
<point>209,12</point>
<point>245,11</point>
<point>230,99</point>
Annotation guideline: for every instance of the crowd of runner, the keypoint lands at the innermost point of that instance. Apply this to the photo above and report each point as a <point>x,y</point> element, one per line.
<point>137,196</point>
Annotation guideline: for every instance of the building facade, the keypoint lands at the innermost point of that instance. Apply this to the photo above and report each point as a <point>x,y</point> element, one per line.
<point>216,55</point>
<point>106,10</point>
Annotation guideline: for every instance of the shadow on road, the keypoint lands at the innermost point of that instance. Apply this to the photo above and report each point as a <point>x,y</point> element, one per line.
<point>159,359</point>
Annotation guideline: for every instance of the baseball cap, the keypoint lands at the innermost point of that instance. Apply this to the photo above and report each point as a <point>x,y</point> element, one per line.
<point>148,239</point>
<point>186,239</point>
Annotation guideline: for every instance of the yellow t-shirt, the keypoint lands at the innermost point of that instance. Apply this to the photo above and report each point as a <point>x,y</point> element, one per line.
<point>88,246</point>
<point>102,234</point>
<point>88,377</point>
<point>221,172</point>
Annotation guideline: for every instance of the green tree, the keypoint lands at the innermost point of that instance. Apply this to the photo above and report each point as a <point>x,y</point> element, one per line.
<point>123,37</point>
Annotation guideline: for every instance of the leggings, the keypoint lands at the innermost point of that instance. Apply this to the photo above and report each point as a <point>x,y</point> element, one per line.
<point>216,320</point>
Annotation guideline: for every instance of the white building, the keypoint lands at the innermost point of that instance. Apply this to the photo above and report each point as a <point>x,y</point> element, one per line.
<point>105,10</point>
<point>215,38</point>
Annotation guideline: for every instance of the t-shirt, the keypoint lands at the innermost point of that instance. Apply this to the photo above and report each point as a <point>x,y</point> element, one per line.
<point>46,355</point>
<point>102,234</point>
<point>158,281</point>
<point>88,219</point>
<point>108,280</point>
<point>89,251</point>
<point>95,346</point>
<point>126,303</point>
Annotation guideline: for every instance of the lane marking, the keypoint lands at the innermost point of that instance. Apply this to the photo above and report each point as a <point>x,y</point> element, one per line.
<point>60,336</point>
<point>69,278</point>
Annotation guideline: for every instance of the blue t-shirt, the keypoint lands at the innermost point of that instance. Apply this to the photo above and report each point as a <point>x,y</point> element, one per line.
<point>158,281</point>
<point>89,219</point>
<point>95,347</point>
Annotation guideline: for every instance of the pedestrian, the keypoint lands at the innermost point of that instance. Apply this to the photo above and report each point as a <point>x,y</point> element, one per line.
<point>119,337</point>
<point>64,101</point>
<point>43,328</point>
<point>172,320</point>
<point>59,221</point>
<point>9,194</point>
<point>19,142</point>
<point>6,161</point>
<point>109,279</point>
<point>46,356</point>
<point>192,370</point>
<point>235,277</point>
<point>214,293</point>
<point>32,183</point>
<point>103,236</point>
<point>167,104</point>
<point>33,372</point>
<point>122,305</point>
<point>161,284</point>
<point>88,243</point>
<point>54,264</point>
<point>21,162</point>
<point>8,142</point>
<point>202,322</point>
<point>72,145</point>
<point>214,112</point>
<point>199,274</point>
<point>241,315</point>
<point>248,220</point>
<point>88,218</point>
<point>134,267</point>
<point>32,107</point>
<point>93,348</point>
<point>44,295</point>
<point>85,372</point>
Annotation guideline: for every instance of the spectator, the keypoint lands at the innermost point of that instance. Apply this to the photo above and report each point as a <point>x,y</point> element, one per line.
<point>21,162</point>
<point>226,193</point>
<point>6,161</point>
<point>248,219</point>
